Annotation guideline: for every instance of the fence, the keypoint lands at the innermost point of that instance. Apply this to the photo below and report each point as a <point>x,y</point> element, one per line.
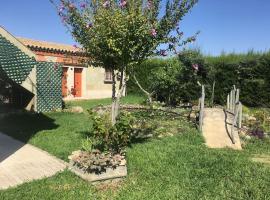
<point>201,107</point>
<point>235,108</point>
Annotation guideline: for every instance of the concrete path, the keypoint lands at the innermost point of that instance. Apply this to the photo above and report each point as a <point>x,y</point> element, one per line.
<point>20,163</point>
<point>215,129</point>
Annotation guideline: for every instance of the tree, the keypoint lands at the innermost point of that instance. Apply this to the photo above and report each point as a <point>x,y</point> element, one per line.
<point>120,34</point>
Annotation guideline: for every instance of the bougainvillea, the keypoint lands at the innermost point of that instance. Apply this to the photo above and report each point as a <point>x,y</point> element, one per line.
<point>120,34</point>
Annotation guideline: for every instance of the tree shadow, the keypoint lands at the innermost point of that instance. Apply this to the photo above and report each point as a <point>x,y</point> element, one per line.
<point>21,126</point>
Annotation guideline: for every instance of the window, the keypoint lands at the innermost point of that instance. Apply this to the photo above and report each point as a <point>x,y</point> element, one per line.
<point>108,75</point>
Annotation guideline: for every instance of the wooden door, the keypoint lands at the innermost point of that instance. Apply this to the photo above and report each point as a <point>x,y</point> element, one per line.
<point>64,81</point>
<point>78,82</point>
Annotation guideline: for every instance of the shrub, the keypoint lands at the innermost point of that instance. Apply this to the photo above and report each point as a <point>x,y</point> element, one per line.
<point>107,137</point>
<point>175,80</point>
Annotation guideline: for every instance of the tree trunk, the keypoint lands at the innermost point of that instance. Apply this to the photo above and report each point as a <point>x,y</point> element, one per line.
<point>113,115</point>
<point>148,94</point>
<point>116,100</point>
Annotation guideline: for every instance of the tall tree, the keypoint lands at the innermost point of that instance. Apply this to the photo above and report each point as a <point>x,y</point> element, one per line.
<point>120,34</point>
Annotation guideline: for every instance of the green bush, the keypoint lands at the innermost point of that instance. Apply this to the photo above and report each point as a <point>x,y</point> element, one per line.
<point>107,137</point>
<point>250,72</point>
<point>174,80</point>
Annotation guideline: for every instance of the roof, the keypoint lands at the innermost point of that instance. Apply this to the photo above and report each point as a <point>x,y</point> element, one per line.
<point>48,46</point>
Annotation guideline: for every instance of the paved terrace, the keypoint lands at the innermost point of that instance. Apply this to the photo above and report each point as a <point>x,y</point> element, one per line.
<point>20,163</point>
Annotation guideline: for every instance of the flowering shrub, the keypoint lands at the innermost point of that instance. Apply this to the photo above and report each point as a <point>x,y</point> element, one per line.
<point>119,34</point>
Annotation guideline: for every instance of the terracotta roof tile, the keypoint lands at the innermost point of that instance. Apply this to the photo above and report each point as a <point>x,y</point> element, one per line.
<point>48,45</point>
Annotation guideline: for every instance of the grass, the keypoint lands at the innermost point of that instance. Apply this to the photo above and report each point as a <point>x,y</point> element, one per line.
<point>86,104</point>
<point>174,167</point>
<point>57,133</point>
<point>178,167</point>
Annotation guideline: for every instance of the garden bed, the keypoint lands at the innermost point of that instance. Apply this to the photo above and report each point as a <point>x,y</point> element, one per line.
<point>111,174</point>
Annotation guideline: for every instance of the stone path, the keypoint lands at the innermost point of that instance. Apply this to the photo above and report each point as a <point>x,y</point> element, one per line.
<point>215,129</point>
<point>20,163</point>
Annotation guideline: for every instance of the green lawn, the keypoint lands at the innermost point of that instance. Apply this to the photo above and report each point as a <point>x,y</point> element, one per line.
<point>58,133</point>
<point>86,104</point>
<point>174,167</point>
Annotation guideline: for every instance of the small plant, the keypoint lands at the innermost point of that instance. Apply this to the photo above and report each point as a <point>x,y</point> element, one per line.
<point>95,161</point>
<point>108,137</point>
<point>87,144</point>
<point>259,133</point>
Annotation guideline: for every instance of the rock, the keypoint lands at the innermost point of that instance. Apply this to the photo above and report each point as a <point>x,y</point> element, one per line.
<point>75,154</point>
<point>195,108</point>
<point>251,118</point>
<point>123,162</point>
<point>193,115</point>
<point>247,137</point>
<point>76,109</point>
<point>242,133</point>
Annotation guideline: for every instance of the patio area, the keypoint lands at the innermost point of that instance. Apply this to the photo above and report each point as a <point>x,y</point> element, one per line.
<point>20,163</point>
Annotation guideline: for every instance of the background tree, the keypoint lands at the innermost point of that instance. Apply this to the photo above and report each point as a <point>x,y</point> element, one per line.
<point>120,34</point>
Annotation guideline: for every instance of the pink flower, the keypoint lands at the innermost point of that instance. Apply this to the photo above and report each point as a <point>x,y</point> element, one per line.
<point>64,19</point>
<point>149,4</point>
<point>193,39</point>
<point>153,32</point>
<point>83,5</point>
<point>178,32</point>
<point>89,25</point>
<point>106,4</point>
<point>123,3</point>
<point>163,52</point>
<point>195,67</point>
<point>61,8</point>
<point>71,6</point>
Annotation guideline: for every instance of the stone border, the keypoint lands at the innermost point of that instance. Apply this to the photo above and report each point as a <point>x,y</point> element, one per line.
<point>110,174</point>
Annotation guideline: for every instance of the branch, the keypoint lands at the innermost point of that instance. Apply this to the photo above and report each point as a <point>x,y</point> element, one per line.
<point>139,85</point>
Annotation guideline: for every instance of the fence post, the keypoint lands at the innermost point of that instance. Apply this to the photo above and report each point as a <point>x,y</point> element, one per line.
<point>201,108</point>
<point>228,102</point>
<point>237,96</point>
<point>231,101</point>
<point>240,115</point>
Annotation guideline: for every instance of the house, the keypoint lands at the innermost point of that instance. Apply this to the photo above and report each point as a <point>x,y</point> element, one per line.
<point>79,81</point>
<point>38,75</point>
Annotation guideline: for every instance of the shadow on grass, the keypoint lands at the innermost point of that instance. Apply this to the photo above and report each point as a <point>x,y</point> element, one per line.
<point>23,126</point>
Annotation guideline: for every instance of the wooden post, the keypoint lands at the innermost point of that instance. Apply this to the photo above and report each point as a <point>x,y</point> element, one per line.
<point>201,108</point>
<point>237,96</point>
<point>231,100</point>
<point>213,94</point>
<point>228,102</point>
<point>240,115</point>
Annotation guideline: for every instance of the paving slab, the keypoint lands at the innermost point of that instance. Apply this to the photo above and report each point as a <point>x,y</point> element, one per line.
<point>216,124</point>
<point>20,163</point>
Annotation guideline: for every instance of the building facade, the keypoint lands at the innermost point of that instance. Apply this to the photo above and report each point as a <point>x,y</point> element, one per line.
<point>79,81</point>
<point>38,76</point>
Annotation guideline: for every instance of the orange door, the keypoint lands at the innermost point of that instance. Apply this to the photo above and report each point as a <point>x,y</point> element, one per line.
<point>64,81</point>
<point>78,82</point>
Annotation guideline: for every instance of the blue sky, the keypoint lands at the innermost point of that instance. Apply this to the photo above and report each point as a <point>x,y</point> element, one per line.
<point>225,25</point>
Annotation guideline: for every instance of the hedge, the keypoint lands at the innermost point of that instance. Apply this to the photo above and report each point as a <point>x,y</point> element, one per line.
<point>250,72</point>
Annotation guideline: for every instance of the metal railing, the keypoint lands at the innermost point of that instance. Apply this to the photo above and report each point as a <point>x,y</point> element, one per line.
<point>234,107</point>
<point>201,107</point>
